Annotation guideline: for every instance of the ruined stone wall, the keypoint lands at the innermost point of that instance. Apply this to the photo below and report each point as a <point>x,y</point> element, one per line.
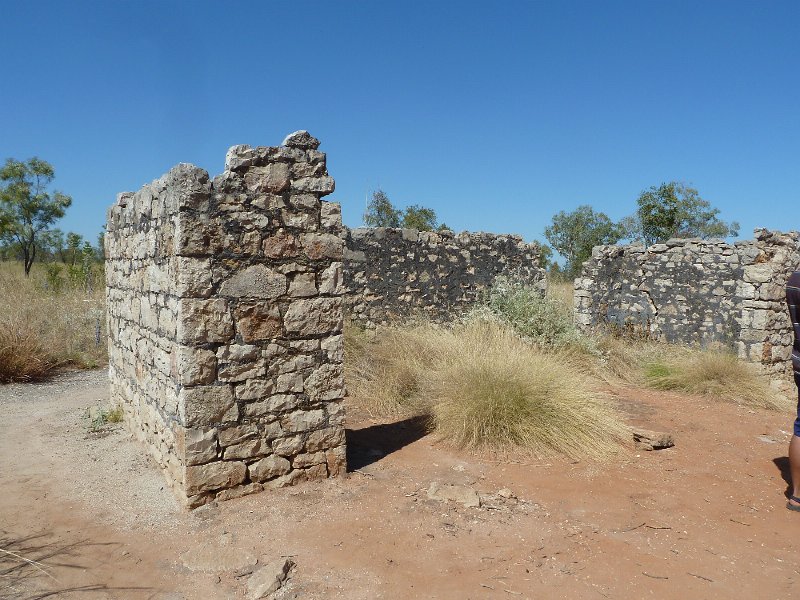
<point>697,291</point>
<point>225,321</point>
<point>396,273</point>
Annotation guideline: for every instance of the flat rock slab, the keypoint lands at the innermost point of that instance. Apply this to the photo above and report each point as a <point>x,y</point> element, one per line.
<point>651,440</point>
<point>268,579</point>
<point>454,493</point>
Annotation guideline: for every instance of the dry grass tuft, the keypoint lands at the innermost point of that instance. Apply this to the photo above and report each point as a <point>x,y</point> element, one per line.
<point>42,330</point>
<point>713,373</point>
<point>484,387</point>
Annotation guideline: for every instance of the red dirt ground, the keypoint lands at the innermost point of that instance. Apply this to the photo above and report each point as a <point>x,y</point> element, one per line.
<point>705,519</point>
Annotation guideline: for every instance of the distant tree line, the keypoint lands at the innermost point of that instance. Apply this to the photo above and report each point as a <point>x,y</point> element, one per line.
<point>670,210</point>
<point>28,211</point>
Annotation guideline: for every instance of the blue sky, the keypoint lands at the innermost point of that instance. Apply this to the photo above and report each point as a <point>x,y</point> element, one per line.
<point>495,114</point>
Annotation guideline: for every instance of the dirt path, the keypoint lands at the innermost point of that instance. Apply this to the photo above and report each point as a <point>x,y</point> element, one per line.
<point>702,520</point>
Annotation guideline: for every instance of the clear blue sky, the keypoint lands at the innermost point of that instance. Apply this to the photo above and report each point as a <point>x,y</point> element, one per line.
<point>495,114</point>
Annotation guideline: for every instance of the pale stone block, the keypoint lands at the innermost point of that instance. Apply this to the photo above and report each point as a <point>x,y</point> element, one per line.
<point>256,281</point>
<point>314,316</point>
<point>269,468</point>
<point>204,321</point>
<point>207,405</point>
<point>213,476</point>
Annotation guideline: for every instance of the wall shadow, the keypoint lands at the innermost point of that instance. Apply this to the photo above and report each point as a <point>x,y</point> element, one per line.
<point>370,444</point>
<point>782,462</point>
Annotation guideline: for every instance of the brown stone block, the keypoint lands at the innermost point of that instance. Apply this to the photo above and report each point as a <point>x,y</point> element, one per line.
<point>280,245</point>
<point>322,245</point>
<point>257,321</point>
<point>208,405</point>
<point>269,468</point>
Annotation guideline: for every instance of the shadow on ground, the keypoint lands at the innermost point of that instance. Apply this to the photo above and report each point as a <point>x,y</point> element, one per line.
<point>370,444</point>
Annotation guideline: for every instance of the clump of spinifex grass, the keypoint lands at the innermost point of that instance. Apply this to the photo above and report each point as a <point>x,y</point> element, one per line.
<point>712,373</point>
<point>483,387</point>
<point>43,328</point>
<point>491,389</point>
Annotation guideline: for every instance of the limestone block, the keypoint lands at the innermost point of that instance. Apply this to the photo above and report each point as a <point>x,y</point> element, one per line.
<point>200,446</point>
<point>236,434</point>
<point>320,185</point>
<point>238,362</point>
<point>325,383</point>
<point>288,446</point>
<point>303,420</point>
<point>269,468</point>
<point>193,277</point>
<point>246,449</point>
<point>323,439</point>
<point>195,365</point>
<point>314,316</point>
<point>255,389</point>
<point>271,178</point>
<point>214,476</point>
<point>204,321</point>
<point>256,281</point>
<point>271,405</point>
<point>303,285</point>
<point>207,405</point>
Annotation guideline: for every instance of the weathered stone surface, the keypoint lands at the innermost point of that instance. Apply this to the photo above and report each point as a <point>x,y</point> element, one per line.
<point>195,365</point>
<point>322,245</point>
<point>314,316</point>
<point>301,139</point>
<point>257,281</point>
<point>208,405</point>
<point>204,321</point>
<point>280,245</point>
<point>201,446</point>
<point>693,291</point>
<point>393,274</point>
<point>268,579</point>
<point>257,322</point>
<point>269,468</point>
<point>454,493</point>
<point>652,440</point>
<point>214,476</point>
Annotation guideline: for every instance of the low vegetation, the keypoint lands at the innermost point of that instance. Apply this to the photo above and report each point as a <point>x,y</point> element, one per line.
<point>516,373</point>
<point>47,323</point>
<point>483,386</point>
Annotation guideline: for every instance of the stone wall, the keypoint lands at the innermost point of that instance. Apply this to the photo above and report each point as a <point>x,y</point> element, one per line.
<point>396,273</point>
<point>225,321</point>
<point>697,291</point>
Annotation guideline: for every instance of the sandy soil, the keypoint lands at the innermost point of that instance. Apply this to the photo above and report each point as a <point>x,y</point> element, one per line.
<point>705,519</point>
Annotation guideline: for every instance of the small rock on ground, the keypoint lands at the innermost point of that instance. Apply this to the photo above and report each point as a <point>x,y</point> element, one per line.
<point>268,579</point>
<point>454,493</point>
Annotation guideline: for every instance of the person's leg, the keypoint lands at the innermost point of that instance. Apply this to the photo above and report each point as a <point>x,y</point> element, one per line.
<point>794,467</point>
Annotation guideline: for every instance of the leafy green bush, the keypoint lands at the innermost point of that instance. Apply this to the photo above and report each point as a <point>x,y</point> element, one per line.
<point>542,320</point>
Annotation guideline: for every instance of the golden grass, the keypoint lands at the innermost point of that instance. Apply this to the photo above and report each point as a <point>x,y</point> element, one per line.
<point>483,387</point>
<point>41,330</point>
<point>713,373</point>
<point>562,292</point>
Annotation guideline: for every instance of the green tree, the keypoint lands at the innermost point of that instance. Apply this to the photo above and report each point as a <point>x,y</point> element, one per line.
<point>380,211</point>
<point>419,217</point>
<point>574,234</point>
<point>675,210</point>
<point>545,256</point>
<point>27,209</point>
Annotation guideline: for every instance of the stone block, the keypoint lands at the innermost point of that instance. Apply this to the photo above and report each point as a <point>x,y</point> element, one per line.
<point>214,476</point>
<point>257,321</point>
<point>207,405</point>
<point>315,316</point>
<point>269,468</point>
<point>204,321</point>
<point>256,281</point>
